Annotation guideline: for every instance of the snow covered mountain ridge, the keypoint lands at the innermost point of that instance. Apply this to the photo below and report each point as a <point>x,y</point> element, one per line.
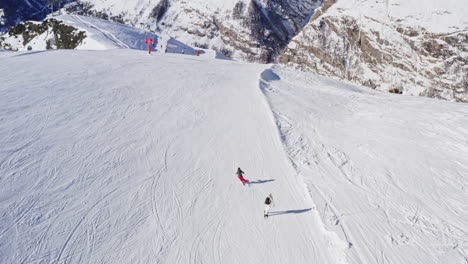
<point>243,29</point>
<point>87,33</point>
<point>412,47</point>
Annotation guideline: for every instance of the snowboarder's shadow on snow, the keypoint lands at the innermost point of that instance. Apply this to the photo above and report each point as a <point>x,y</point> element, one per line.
<point>261,181</point>
<point>289,212</point>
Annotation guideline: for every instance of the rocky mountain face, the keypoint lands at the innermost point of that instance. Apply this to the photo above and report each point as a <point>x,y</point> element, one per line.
<point>13,12</point>
<point>416,47</point>
<point>396,46</point>
<point>2,19</point>
<point>253,30</point>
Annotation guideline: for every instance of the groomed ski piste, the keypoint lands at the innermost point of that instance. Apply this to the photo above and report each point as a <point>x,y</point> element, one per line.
<point>117,156</point>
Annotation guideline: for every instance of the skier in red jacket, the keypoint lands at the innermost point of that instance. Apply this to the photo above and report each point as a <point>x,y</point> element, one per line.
<point>240,174</point>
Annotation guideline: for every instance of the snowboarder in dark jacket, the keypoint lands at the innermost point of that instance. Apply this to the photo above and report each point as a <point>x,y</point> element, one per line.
<point>240,175</point>
<point>268,202</point>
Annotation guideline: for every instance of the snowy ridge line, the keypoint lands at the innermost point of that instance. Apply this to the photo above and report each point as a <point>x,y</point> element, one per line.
<point>350,146</point>
<point>106,33</point>
<point>268,76</point>
<point>337,246</point>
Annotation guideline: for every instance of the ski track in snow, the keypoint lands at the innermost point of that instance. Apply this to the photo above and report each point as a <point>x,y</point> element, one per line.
<point>106,33</point>
<point>77,225</point>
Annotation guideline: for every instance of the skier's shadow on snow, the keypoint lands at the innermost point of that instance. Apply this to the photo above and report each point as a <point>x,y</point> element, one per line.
<point>261,181</point>
<point>290,212</point>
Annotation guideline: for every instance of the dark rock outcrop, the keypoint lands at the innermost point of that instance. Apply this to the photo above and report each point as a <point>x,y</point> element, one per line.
<point>59,35</point>
<point>390,57</point>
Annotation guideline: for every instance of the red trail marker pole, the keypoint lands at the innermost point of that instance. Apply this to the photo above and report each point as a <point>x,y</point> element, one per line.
<point>150,42</point>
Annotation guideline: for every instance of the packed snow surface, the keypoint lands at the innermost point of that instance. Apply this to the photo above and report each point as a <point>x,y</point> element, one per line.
<point>121,157</point>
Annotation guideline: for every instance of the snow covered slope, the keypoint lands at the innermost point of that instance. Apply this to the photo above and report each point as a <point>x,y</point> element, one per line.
<point>6,53</point>
<point>389,174</point>
<point>119,157</point>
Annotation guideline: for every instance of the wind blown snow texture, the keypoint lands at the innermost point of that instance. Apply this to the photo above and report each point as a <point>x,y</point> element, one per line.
<point>119,157</point>
<point>387,173</point>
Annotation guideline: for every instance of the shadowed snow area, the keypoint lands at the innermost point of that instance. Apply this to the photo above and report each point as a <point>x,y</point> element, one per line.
<point>117,156</point>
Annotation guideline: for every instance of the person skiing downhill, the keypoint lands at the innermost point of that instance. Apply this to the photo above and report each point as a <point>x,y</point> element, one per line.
<point>240,175</point>
<point>268,202</point>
